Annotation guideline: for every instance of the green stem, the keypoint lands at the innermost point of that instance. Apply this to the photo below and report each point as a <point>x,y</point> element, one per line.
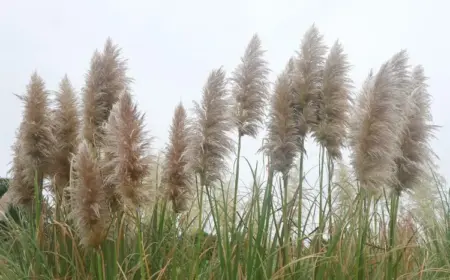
<point>141,245</point>
<point>285,220</point>
<point>99,265</point>
<point>330,189</point>
<point>234,234</point>
<point>321,174</point>
<point>263,226</point>
<point>391,271</point>
<point>200,207</point>
<point>319,238</point>
<point>300,201</point>
<point>199,234</point>
<point>37,209</point>
<point>364,224</point>
<point>236,184</point>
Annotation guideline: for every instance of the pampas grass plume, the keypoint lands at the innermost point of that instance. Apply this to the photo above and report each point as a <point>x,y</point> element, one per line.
<point>34,143</point>
<point>66,125</point>
<point>175,178</point>
<point>87,197</point>
<point>250,89</point>
<point>21,186</point>
<point>37,140</point>
<point>127,147</point>
<point>105,81</point>
<point>209,142</point>
<point>378,122</point>
<point>334,102</point>
<point>307,78</point>
<point>415,146</point>
<point>283,130</point>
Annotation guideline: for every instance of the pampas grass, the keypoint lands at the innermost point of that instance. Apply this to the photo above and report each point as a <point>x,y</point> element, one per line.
<point>37,138</point>
<point>22,180</point>
<point>66,125</point>
<point>176,179</point>
<point>34,145</point>
<point>127,146</point>
<point>415,146</point>
<point>105,81</point>
<point>334,103</point>
<point>283,132</point>
<point>307,78</point>
<point>250,89</point>
<point>377,124</point>
<point>209,143</point>
<point>88,200</point>
<point>112,172</point>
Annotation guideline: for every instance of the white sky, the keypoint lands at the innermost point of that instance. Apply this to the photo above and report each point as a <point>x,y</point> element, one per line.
<point>172,46</point>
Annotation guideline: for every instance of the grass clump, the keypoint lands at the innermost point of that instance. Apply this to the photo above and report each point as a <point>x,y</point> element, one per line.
<point>88,199</point>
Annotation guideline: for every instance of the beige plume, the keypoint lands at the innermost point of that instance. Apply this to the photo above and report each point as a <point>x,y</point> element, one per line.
<point>126,145</point>
<point>87,197</point>
<point>208,141</point>
<point>307,78</point>
<point>416,151</point>
<point>37,138</point>
<point>334,103</point>
<point>250,89</point>
<point>21,187</point>
<point>283,130</point>
<point>377,124</point>
<point>66,125</point>
<point>175,178</point>
<point>105,81</point>
<point>34,144</point>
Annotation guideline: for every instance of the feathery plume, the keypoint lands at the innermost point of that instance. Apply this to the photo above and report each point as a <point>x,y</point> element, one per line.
<point>377,124</point>
<point>107,170</point>
<point>87,197</point>
<point>250,89</point>
<point>416,152</point>
<point>34,144</point>
<point>175,177</point>
<point>105,81</point>
<point>22,178</point>
<point>209,144</point>
<point>127,145</point>
<point>334,102</point>
<point>283,131</point>
<point>307,78</point>
<point>37,139</point>
<point>66,126</point>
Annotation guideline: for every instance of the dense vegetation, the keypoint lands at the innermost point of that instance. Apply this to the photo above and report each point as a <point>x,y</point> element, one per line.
<point>95,203</point>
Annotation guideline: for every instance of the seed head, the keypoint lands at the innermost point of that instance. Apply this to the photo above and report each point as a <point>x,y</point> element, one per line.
<point>175,178</point>
<point>208,141</point>
<point>250,89</point>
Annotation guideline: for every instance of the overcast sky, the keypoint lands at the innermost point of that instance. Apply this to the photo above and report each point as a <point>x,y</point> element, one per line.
<point>173,45</point>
